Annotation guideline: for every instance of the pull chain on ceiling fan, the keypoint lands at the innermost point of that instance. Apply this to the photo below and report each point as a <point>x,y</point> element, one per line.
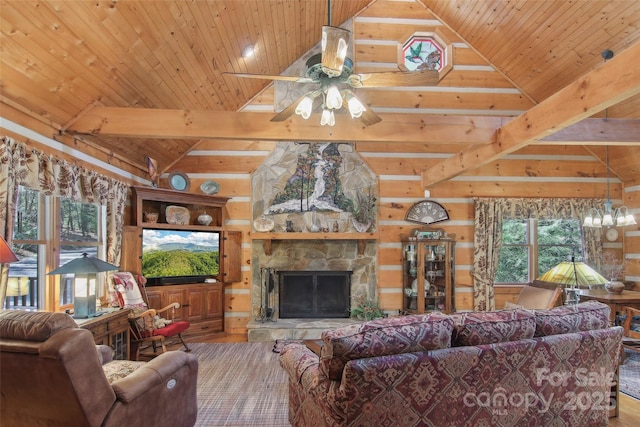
<point>332,70</point>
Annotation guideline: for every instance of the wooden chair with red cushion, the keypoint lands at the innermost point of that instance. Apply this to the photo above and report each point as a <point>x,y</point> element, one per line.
<point>149,328</point>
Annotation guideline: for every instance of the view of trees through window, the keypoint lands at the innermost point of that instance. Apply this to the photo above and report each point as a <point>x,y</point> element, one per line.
<point>76,230</point>
<point>532,247</point>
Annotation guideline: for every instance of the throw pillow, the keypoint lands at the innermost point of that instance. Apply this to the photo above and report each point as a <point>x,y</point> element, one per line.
<point>118,369</point>
<point>128,290</point>
<point>381,337</point>
<point>508,305</point>
<point>565,319</point>
<point>475,328</point>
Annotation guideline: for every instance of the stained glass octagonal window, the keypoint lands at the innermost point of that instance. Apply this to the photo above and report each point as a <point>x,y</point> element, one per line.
<point>426,51</point>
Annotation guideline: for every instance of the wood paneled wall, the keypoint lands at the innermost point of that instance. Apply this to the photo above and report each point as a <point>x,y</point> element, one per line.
<point>536,171</point>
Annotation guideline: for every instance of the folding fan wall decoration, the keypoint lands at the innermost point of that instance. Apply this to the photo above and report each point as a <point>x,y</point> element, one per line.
<point>333,78</point>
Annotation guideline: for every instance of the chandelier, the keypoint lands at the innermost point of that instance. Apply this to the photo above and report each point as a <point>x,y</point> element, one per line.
<point>608,216</point>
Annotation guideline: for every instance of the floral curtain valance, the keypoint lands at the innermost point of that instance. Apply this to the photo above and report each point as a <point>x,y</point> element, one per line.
<point>489,216</point>
<point>29,167</point>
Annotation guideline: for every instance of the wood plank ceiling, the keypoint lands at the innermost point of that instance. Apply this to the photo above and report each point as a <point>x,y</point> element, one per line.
<point>60,60</point>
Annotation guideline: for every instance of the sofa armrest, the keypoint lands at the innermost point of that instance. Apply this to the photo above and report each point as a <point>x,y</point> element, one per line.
<point>302,366</point>
<point>105,353</point>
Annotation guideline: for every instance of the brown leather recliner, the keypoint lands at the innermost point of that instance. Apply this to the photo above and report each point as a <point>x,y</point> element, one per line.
<point>51,374</point>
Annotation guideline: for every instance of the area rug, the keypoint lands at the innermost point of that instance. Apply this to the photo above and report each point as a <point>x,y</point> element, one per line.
<point>240,384</point>
<point>630,374</point>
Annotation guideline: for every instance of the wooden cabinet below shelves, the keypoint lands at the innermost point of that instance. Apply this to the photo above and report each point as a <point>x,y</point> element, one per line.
<point>200,303</point>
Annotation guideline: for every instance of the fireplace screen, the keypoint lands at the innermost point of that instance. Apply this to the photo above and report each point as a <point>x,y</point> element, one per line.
<point>314,294</point>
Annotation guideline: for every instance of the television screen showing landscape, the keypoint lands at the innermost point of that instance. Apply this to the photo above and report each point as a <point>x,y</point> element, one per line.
<point>177,253</point>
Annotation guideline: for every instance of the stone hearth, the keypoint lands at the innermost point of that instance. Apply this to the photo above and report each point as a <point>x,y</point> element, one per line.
<point>293,328</point>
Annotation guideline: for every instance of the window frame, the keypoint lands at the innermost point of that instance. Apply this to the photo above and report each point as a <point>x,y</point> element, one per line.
<point>533,247</point>
<point>50,246</point>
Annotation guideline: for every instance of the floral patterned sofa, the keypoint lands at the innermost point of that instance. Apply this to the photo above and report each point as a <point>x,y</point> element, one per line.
<point>501,368</point>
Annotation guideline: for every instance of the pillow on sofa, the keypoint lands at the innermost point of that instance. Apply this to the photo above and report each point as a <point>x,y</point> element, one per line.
<point>488,327</point>
<point>585,316</point>
<point>382,337</point>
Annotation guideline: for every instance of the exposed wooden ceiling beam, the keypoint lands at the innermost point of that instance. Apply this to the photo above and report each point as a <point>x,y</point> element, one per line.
<point>184,124</point>
<point>597,132</point>
<point>424,129</point>
<point>609,84</point>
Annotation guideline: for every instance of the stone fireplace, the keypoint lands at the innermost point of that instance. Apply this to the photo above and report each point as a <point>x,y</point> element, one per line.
<point>310,195</point>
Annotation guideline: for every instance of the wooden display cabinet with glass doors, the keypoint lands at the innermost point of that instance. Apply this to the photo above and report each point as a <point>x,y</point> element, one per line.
<point>428,271</point>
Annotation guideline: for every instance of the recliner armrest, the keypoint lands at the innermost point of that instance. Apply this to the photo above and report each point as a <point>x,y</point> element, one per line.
<point>159,371</point>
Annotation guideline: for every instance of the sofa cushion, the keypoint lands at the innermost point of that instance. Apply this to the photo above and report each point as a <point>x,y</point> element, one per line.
<point>488,327</point>
<point>381,337</point>
<point>30,326</point>
<point>585,316</point>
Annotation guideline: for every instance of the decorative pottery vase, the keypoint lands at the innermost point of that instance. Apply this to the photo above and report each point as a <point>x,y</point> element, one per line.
<point>614,287</point>
<point>315,225</point>
<point>204,219</point>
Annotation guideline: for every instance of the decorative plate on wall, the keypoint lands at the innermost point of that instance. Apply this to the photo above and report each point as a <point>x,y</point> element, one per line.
<point>179,181</point>
<point>611,234</point>
<point>210,187</point>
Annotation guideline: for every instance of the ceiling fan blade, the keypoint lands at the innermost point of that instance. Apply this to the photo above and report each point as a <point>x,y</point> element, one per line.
<point>272,77</point>
<point>395,78</point>
<point>291,109</point>
<point>369,117</point>
<point>335,42</point>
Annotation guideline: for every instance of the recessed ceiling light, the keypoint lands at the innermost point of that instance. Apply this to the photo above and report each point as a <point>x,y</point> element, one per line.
<point>248,51</point>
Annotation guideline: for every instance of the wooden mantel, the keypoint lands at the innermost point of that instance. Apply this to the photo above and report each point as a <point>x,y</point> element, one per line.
<point>267,238</point>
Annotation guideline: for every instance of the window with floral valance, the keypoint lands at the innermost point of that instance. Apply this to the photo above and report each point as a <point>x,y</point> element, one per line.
<point>22,165</point>
<point>489,216</point>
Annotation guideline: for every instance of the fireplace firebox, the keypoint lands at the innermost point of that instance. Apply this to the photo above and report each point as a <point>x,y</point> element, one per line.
<point>314,294</point>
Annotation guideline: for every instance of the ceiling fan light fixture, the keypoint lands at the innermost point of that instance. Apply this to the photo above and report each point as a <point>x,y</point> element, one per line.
<point>356,108</point>
<point>328,118</point>
<point>333,100</point>
<point>335,42</point>
<point>304,107</point>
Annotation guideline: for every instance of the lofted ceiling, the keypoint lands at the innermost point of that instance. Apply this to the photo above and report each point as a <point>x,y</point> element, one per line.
<point>61,60</point>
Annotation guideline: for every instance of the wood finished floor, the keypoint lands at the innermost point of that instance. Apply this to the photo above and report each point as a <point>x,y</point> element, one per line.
<point>629,415</point>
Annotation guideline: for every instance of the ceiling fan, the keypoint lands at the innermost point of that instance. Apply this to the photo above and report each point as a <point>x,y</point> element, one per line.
<point>333,71</point>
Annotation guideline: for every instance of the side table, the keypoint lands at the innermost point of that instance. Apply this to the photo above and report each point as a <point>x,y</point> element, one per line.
<point>112,329</point>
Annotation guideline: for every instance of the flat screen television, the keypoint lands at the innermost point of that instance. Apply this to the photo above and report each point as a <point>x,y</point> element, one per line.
<point>179,256</point>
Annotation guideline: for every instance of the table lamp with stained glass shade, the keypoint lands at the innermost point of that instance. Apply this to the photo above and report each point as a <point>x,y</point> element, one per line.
<point>84,270</point>
<point>572,276</point>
